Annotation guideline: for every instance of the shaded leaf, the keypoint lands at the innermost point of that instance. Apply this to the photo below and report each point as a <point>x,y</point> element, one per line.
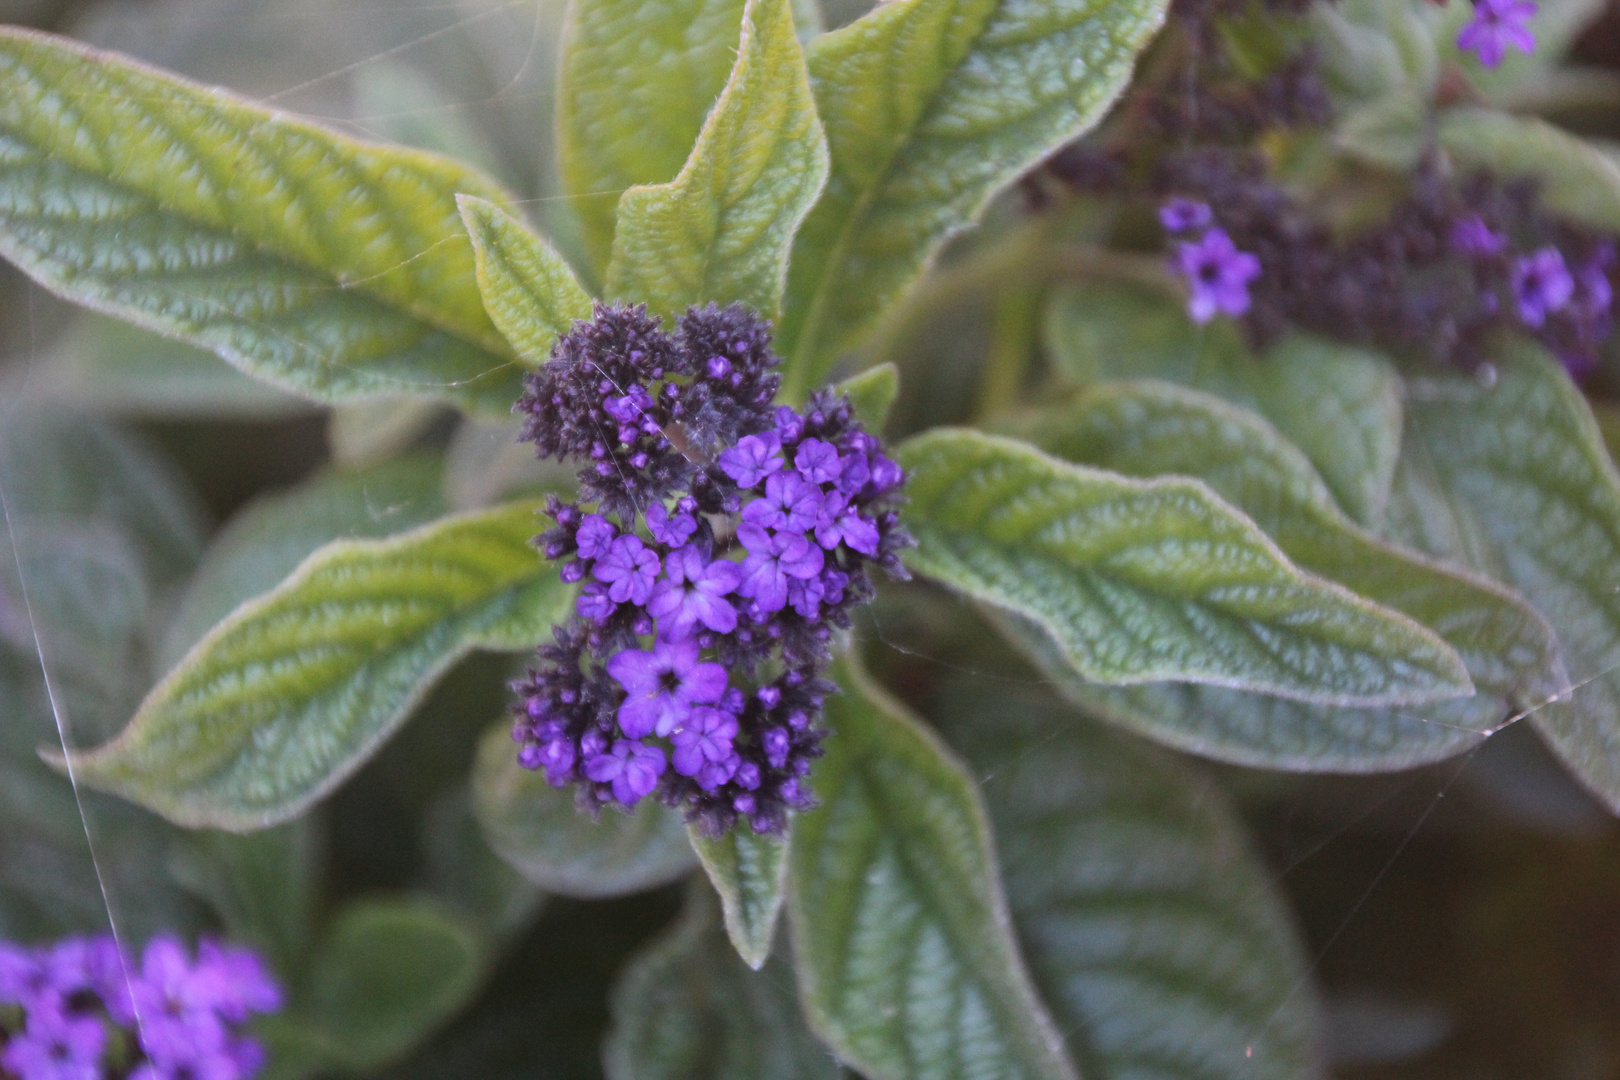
<point>529,291</point>
<point>722,228</point>
<point>292,692</point>
<point>551,842</point>
<point>872,393</point>
<point>1578,180</point>
<point>372,430</point>
<point>1141,581</point>
<point>749,872</point>
<point>262,886</point>
<point>904,947</point>
<point>931,107</point>
<point>461,869</point>
<point>323,265</point>
<point>688,1009</point>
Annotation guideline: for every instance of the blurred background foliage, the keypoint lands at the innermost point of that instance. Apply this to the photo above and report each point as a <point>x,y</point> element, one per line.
<point>1461,920</point>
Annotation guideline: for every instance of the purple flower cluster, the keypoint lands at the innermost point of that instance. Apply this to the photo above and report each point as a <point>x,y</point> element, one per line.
<point>729,537</point>
<point>77,1010</point>
<point>1216,272</point>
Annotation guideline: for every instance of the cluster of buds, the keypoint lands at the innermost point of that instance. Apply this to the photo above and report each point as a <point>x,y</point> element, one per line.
<point>719,541</point>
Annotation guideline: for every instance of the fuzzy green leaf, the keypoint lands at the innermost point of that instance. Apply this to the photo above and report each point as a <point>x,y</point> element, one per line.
<point>542,834</point>
<point>687,1009</point>
<point>904,948</point>
<point>872,394</point>
<point>263,886</point>
<point>722,228</point>
<point>324,265</point>
<point>637,82</point>
<point>749,871</point>
<point>1578,180</point>
<point>1523,462</point>
<point>292,692</point>
<point>931,107</point>
<point>1147,580</point>
<point>1154,929</point>
<point>529,291</point>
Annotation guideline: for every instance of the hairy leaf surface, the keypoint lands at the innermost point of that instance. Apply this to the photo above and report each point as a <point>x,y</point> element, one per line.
<point>529,291</point>
<point>749,871</point>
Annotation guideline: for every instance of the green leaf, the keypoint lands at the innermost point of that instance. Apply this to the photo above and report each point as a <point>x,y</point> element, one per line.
<point>269,538</point>
<point>637,82</point>
<point>262,886</point>
<point>906,960</point>
<point>1577,179</point>
<point>749,871</point>
<point>1373,48</point>
<point>1141,581</point>
<point>722,228</point>
<point>931,108</point>
<point>291,693</point>
<point>1151,925</point>
<point>546,838</point>
<point>687,1009</point>
<point>1340,404</point>
<point>323,265</point>
<point>1523,461</point>
<point>461,869</point>
<point>529,291</point>
<point>372,430</point>
<point>872,393</point>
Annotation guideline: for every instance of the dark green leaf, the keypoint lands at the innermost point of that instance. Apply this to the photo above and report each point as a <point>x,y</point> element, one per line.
<point>262,886</point>
<point>749,871</point>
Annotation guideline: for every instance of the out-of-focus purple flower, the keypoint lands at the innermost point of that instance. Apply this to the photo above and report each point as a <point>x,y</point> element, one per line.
<point>855,473</point>
<point>672,529</point>
<point>55,1045</point>
<point>805,596</point>
<point>1217,273</point>
<point>175,1002</point>
<point>1496,25</point>
<point>237,981</point>
<point>628,569</point>
<point>790,504</point>
<point>753,459</point>
<point>1180,215</point>
<point>663,685</point>
<point>838,520</point>
<point>694,593</point>
<point>817,461</point>
<point>773,558</point>
<point>596,534</point>
<point>1542,285</point>
<point>1594,293</point>
<point>632,767</point>
<point>21,975</point>
<point>1471,236</point>
<point>705,737</point>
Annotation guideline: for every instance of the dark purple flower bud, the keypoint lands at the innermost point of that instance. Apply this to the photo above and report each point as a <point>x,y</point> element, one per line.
<point>594,603</point>
<point>628,569</point>
<point>718,367</point>
<point>887,475</point>
<point>753,459</point>
<point>572,572</point>
<point>1180,215</point>
<point>769,696</point>
<point>733,701</point>
<point>855,473</point>
<point>747,776</point>
<point>776,743</point>
<point>789,424</point>
<point>1542,285</point>
<point>662,686</point>
<point>1496,25</point>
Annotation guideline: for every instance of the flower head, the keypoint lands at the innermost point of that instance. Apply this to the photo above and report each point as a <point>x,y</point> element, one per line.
<point>1496,25</point>
<point>1180,215</point>
<point>1217,273</point>
<point>1542,284</point>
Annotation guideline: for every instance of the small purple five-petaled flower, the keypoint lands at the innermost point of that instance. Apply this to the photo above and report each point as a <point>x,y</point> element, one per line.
<point>1542,284</point>
<point>663,684</point>
<point>1496,25</point>
<point>1218,275</point>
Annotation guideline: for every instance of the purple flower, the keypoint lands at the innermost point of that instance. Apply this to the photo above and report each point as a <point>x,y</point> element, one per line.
<point>671,529</point>
<point>175,1003</point>
<point>237,981</point>
<point>628,570</point>
<point>631,767</point>
<point>772,559</point>
<point>1471,236</point>
<point>855,473</point>
<point>21,975</point>
<point>694,593</point>
<point>595,536</point>
<point>1180,215</point>
<point>56,1046</point>
<point>789,504</point>
<point>1595,293</point>
<point>817,461</point>
<point>753,459</point>
<point>1542,284</point>
<point>704,738</point>
<point>1496,25</point>
<point>663,684</point>
<point>230,1060</point>
<point>887,475</point>
<point>593,602</point>
<point>805,595</point>
<point>839,520</point>
<point>1218,275</point>
<point>789,424</point>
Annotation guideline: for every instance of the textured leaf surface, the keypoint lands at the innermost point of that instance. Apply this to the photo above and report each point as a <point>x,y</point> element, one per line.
<point>1578,180</point>
<point>722,228</point>
<point>1339,404</point>
<point>931,107</point>
<point>749,871</point>
<point>281,701</point>
<point>529,291</point>
<point>901,936</point>
<point>1140,581</point>
<point>637,82</point>
<point>1154,930</point>
<point>326,266</point>
<point>688,1009</point>
<point>1524,463</point>
<point>543,835</point>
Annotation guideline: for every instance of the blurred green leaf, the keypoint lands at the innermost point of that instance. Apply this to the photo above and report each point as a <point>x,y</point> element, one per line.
<point>528,289</point>
<point>872,393</point>
<point>1373,48</point>
<point>1390,131</point>
<point>721,230</point>
<point>361,433</point>
<point>687,1009</point>
<point>1578,180</point>
<point>402,104</point>
<point>1523,461</point>
<point>904,951</point>
<point>263,886</point>
<point>931,107</point>
<point>749,872</point>
<point>461,869</point>
<point>322,265</point>
<point>637,82</point>
<point>1140,581</point>
<point>291,693</point>
<point>541,832</point>
<point>1154,929</point>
